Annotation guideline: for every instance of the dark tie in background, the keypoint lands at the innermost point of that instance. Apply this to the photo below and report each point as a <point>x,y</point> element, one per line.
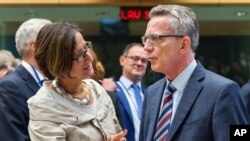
<point>163,123</point>
<point>138,98</point>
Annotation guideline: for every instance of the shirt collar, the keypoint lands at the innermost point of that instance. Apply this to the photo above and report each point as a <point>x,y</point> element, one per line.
<point>127,83</point>
<point>181,80</point>
<point>30,70</point>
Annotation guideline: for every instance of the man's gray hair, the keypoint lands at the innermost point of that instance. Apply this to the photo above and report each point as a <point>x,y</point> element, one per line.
<point>27,33</point>
<point>183,21</point>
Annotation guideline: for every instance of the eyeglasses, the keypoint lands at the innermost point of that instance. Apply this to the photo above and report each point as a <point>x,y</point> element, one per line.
<point>154,38</point>
<point>82,54</point>
<point>137,58</point>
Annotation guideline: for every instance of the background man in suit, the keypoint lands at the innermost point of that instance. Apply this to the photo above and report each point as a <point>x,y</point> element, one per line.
<point>134,64</point>
<point>17,87</point>
<point>199,105</point>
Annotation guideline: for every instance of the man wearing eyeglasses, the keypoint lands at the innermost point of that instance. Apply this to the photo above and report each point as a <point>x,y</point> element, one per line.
<point>190,103</point>
<point>129,91</point>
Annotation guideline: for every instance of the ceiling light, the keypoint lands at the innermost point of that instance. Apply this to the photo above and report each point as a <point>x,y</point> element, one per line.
<point>241,13</point>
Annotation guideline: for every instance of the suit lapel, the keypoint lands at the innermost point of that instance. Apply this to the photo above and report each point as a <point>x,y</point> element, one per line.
<point>123,99</point>
<point>27,77</point>
<point>190,94</point>
<point>156,96</point>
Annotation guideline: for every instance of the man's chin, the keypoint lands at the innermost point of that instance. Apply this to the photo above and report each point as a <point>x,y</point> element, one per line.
<point>138,75</point>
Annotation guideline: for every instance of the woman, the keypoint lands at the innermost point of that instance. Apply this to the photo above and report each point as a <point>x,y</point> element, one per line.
<point>68,108</point>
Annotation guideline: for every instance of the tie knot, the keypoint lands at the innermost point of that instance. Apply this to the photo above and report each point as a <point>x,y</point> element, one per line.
<point>135,86</point>
<point>170,89</point>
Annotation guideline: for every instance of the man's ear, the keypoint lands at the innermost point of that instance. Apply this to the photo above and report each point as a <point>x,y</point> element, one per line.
<point>186,43</point>
<point>32,46</point>
<point>121,59</point>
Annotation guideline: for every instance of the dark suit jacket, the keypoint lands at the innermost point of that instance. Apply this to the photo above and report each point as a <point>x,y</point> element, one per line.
<point>246,95</point>
<point>116,104</point>
<point>125,113</point>
<point>209,104</point>
<point>15,89</point>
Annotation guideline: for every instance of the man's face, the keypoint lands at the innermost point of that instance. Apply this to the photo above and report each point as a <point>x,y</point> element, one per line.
<point>162,52</point>
<point>134,63</point>
<point>3,72</point>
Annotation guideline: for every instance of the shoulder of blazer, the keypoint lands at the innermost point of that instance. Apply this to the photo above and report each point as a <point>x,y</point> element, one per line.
<point>157,84</point>
<point>95,86</point>
<point>23,73</point>
<point>20,74</point>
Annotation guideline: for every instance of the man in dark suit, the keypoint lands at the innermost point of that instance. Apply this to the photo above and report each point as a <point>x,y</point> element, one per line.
<point>17,87</point>
<point>129,91</point>
<point>190,103</point>
<point>246,95</point>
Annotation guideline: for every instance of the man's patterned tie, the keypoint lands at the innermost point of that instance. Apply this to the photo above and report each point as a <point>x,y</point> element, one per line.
<point>164,119</point>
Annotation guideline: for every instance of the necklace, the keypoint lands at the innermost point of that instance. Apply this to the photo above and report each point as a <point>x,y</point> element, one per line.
<point>62,92</point>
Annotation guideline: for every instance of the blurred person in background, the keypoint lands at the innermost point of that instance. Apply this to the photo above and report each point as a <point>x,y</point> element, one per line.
<point>24,82</point>
<point>8,63</point>
<point>70,107</point>
<point>130,91</point>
